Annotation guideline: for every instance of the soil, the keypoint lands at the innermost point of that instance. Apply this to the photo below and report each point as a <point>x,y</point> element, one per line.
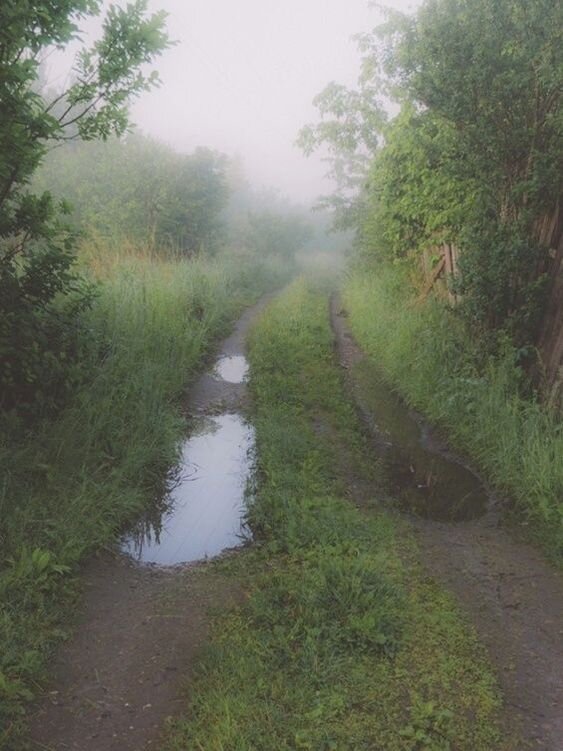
<point>138,629</point>
<point>125,670</point>
<point>512,596</point>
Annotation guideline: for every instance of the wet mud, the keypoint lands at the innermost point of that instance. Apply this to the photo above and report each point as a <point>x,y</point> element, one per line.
<point>425,479</point>
<point>509,592</point>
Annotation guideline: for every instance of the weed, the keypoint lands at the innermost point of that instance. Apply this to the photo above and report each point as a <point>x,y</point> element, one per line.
<point>430,728</point>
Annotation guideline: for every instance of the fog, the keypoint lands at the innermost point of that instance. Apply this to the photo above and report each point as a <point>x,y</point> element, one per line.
<point>242,76</point>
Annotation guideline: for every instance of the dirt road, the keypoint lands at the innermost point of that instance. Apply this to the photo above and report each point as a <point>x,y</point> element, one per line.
<point>510,593</point>
<point>139,629</point>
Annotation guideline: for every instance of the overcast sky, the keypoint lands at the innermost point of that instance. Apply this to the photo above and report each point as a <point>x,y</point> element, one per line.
<point>242,77</point>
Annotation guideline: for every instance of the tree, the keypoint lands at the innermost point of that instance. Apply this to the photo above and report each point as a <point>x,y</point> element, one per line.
<point>493,69</point>
<point>278,234</point>
<point>475,155</point>
<point>350,130</point>
<point>139,189</point>
<point>198,193</point>
<point>39,293</point>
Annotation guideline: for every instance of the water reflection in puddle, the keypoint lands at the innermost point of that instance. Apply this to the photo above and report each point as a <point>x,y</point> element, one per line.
<point>204,512</point>
<point>425,479</point>
<point>231,368</point>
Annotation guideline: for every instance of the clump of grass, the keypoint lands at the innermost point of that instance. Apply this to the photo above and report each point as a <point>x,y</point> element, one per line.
<point>337,605</point>
<point>340,643</point>
<point>434,362</point>
<point>69,486</point>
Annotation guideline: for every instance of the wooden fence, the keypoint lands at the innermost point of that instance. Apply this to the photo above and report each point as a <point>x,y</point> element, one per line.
<point>441,263</point>
<point>550,342</point>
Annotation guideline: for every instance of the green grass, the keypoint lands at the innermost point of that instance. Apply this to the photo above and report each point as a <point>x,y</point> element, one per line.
<point>341,642</point>
<point>69,487</point>
<point>438,367</point>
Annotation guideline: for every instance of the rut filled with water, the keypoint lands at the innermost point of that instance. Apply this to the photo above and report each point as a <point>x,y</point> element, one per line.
<point>202,510</point>
<point>426,479</point>
<point>205,506</point>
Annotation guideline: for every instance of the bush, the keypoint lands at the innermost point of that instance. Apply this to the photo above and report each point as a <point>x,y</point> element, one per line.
<point>42,332</point>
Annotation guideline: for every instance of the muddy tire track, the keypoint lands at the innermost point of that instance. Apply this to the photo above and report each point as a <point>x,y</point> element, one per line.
<point>507,589</point>
<point>139,629</point>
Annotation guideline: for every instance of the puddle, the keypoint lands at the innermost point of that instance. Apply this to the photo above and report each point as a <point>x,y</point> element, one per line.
<point>428,483</point>
<point>202,514</point>
<point>231,368</point>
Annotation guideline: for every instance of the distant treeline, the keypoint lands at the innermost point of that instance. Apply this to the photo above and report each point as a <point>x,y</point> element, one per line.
<point>140,189</point>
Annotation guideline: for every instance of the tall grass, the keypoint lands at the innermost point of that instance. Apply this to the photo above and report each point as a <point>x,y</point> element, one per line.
<point>436,364</point>
<point>70,485</point>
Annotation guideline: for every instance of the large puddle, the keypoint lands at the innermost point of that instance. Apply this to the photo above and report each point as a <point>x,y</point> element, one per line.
<point>425,479</point>
<point>203,512</point>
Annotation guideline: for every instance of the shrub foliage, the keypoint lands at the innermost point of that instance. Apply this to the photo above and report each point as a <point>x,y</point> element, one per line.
<point>40,294</point>
<point>473,157</point>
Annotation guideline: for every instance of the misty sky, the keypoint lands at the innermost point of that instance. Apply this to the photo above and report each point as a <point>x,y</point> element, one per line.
<point>243,75</point>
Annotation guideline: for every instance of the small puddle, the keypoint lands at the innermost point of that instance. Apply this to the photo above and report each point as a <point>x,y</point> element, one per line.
<point>203,513</point>
<point>231,368</point>
<point>426,480</point>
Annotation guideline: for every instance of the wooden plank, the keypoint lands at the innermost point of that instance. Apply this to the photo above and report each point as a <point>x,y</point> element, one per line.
<point>435,275</point>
